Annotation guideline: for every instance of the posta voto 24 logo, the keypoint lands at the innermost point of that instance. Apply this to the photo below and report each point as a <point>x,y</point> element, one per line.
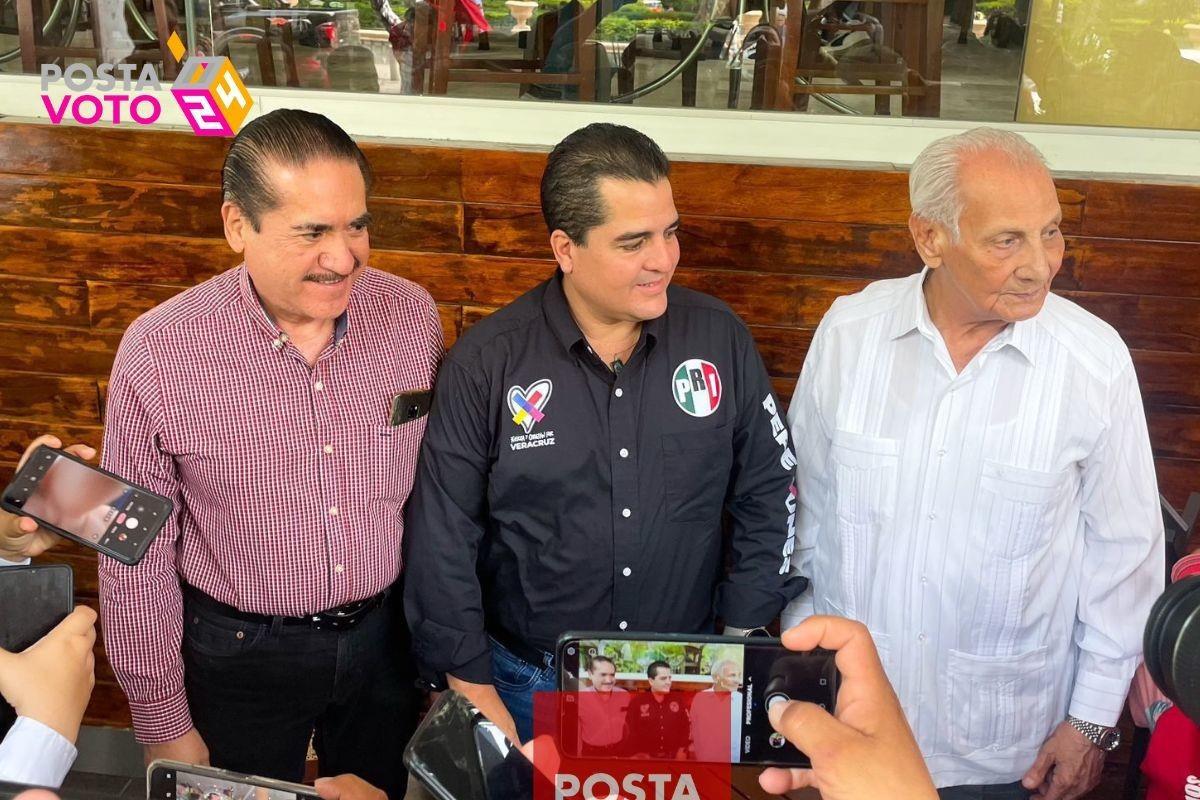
<point>208,90</point>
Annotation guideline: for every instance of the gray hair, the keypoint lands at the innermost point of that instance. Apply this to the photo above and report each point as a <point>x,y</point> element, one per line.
<point>718,665</point>
<point>933,190</point>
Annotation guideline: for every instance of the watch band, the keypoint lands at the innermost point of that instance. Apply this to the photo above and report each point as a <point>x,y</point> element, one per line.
<point>1107,739</point>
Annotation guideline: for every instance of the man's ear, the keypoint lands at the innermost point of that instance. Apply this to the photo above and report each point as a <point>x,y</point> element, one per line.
<point>930,238</point>
<point>564,250</point>
<point>236,226</point>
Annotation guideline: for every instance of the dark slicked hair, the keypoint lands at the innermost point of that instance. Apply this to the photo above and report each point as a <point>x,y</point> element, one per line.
<point>571,199</point>
<point>288,137</point>
<point>655,666</point>
<point>596,659</point>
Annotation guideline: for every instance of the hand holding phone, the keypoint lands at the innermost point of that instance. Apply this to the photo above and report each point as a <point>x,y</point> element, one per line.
<point>866,743</point>
<point>51,681</point>
<point>696,698</point>
<point>100,510</point>
<point>21,537</point>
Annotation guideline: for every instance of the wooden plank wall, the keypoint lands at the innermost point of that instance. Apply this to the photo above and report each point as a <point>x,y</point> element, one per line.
<point>96,226</point>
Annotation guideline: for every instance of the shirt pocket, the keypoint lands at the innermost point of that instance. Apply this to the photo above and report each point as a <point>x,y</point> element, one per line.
<point>1018,507</point>
<point>996,704</point>
<point>865,476</point>
<point>697,465</point>
<point>392,453</point>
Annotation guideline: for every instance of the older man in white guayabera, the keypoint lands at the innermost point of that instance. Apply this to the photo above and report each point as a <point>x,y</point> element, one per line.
<point>719,707</point>
<point>976,484</point>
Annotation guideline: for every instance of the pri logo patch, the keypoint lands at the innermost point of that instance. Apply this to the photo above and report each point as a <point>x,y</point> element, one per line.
<point>526,404</point>
<point>696,386</point>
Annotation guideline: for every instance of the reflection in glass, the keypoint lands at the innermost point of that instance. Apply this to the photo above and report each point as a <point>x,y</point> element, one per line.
<point>1113,62</point>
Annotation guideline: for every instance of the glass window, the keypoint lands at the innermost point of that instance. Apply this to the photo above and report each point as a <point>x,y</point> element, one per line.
<point>1090,62</point>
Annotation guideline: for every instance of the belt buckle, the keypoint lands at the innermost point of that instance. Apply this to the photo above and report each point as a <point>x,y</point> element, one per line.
<point>342,618</point>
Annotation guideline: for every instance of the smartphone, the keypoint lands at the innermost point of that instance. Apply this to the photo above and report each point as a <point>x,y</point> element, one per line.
<point>86,504</point>
<point>173,780</point>
<point>33,600</point>
<point>722,685</point>
<point>457,754</point>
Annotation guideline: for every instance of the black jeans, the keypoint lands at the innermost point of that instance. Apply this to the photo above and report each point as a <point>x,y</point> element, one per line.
<point>986,791</point>
<point>258,692</point>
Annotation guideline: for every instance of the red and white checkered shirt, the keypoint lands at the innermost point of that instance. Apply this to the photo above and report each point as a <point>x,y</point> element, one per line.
<point>288,480</point>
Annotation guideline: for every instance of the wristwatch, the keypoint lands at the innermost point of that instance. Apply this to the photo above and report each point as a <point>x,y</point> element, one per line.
<point>1107,739</point>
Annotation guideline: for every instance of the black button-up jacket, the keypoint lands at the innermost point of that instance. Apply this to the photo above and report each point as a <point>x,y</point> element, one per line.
<point>552,494</point>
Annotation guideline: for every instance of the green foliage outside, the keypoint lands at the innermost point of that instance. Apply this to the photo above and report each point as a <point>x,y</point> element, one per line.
<point>620,26</point>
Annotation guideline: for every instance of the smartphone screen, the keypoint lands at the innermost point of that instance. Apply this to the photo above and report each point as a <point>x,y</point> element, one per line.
<point>174,781</point>
<point>43,593</point>
<point>88,504</point>
<point>703,699</point>
<point>457,754</point>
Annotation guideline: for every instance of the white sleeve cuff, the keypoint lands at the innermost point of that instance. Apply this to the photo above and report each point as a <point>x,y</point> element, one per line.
<point>798,610</point>
<point>4,562</point>
<point>1098,698</point>
<point>35,754</point>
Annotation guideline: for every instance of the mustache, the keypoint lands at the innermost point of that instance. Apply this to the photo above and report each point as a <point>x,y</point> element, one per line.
<point>327,274</point>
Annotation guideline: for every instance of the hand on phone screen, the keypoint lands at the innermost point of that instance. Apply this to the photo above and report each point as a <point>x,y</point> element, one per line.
<point>866,743</point>
<point>20,537</point>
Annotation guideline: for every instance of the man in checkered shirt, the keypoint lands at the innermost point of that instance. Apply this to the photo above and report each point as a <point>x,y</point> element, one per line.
<point>280,405</point>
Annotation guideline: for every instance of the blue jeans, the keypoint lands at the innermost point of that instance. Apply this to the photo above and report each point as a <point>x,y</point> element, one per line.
<point>516,680</point>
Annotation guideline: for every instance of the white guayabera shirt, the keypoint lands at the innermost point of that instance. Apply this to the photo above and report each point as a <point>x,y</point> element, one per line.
<point>997,530</point>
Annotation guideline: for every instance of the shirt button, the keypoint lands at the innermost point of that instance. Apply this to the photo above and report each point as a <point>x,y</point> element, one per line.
<point>920,637</point>
<point>924,580</point>
<point>623,625</point>
<point>277,344</point>
<point>328,449</point>
<point>624,453</point>
<point>625,512</point>
<point>333,511</point>
<point>318,386</point>
<point>941,452</point>
<point>627,572</point>
<point>339,569</point>
<point>619,392</point>
<point>932,515</point>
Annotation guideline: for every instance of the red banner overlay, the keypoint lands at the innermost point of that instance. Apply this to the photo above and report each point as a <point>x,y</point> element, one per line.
<point>637,745</point>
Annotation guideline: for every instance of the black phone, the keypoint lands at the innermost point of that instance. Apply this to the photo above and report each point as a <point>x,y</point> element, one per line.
<point>408,406</point>
<point>174,780</point>
<point>457,754</point>
<point>722,685</point>
<point>86,504</point>
<point>33,599</point>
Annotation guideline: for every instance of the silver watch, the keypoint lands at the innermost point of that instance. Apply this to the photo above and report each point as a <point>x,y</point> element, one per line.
<point>1107,739</point>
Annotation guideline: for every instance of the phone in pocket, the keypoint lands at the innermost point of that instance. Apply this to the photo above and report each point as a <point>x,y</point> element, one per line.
<point>692,697</point>
<point>86,504</point>
<point>173,780</point>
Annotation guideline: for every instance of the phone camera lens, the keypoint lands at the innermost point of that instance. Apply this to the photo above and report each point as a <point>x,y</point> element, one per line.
<point>570,651</point>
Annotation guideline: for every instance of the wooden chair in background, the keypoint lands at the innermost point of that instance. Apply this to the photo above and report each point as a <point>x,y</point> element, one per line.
<point>31,15</point>
<point>909,62</point>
